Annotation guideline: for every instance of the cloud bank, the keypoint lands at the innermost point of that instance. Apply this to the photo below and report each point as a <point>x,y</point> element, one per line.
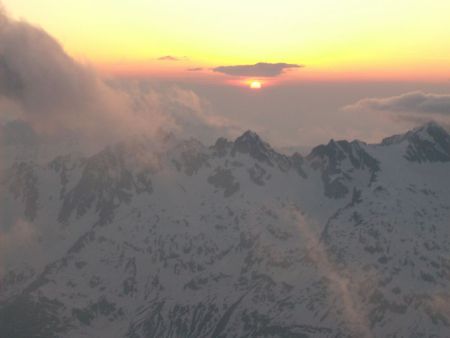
<point>417,107</point>
<point>261,69</point>
<point>48,96</point>
<point>414,102</point>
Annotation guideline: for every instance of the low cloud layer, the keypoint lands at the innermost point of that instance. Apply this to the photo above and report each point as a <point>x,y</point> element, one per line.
<point>47,95</point>
<point>261,69</point>
<point>417,107</point>
<point>414,102</point>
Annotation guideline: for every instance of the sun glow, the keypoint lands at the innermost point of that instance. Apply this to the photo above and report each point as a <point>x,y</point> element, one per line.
<point>333,40</point>
<point>255,84</point>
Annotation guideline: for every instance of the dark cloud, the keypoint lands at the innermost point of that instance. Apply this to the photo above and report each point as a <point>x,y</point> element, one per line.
<point>168,58</point>
<point>261,69</point>
<point>197,69</point>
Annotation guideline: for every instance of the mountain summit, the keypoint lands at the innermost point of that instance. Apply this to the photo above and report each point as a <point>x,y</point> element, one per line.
<point>430,142</point>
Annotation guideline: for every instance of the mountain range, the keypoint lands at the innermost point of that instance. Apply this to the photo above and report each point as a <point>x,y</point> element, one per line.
<point>162,237</point>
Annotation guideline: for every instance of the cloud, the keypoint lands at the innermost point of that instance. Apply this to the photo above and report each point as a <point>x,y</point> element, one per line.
<point>16,242</point>
<point>17,132</point>
<point>168,58</point>
<point>261,69</point>
<point>52,96</point>
<point>414,102</point>
<point>417,107</point>
<point>196,69</point>
<point>185,112</point>
<point>47,88</point>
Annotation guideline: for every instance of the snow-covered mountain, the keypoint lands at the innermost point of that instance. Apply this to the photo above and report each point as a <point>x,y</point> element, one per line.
<point>172,238</point>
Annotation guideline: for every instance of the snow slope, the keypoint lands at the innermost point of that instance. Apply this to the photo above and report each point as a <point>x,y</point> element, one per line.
<point>171,238</point>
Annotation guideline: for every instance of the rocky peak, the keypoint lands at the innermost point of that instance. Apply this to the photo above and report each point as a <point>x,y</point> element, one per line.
<point>337,160</point>
<point>250,143</point>
<point>428,130</point>
<point>221,147</point>
<point>427,143</point>
<point>434,129</point>
<point>331,151</point>
<point>335,152</point>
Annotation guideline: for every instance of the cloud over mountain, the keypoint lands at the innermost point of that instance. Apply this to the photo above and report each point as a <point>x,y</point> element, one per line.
<point>261,69</point>
<point>413,106</point>
<point>55,95</point>
<point>414,102</point>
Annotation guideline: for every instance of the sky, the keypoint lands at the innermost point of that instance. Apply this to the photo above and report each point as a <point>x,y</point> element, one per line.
<point>328,69</point>
<point>355,39</point>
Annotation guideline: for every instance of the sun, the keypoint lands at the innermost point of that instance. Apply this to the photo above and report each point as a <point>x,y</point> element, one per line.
<point>255,84</point>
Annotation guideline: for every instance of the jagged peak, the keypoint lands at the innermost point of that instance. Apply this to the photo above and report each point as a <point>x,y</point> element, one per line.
<point>250,142</point>
<point>433,129</point>
<point>333,154</point>
<point>427,143</point>
<point>221,146</point>
<point>429,126</point>
<point>222,141</point>
<point>249,137</point>
<point>430,129</point>
<point>340,148</point>
<point>432,124</point>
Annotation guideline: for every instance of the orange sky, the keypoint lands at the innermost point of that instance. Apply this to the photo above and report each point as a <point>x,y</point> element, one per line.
<point>336,41</point>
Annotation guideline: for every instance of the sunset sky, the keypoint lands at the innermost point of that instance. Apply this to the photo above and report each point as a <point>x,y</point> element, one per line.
<point>297,72</point>
<point>334,40</point>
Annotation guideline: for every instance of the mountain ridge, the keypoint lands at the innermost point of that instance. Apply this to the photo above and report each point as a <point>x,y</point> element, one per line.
<point>180,239</point>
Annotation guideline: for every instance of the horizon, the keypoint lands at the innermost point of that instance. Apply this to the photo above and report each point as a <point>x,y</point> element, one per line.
<point>286,95</point>
<point>165,39</point>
